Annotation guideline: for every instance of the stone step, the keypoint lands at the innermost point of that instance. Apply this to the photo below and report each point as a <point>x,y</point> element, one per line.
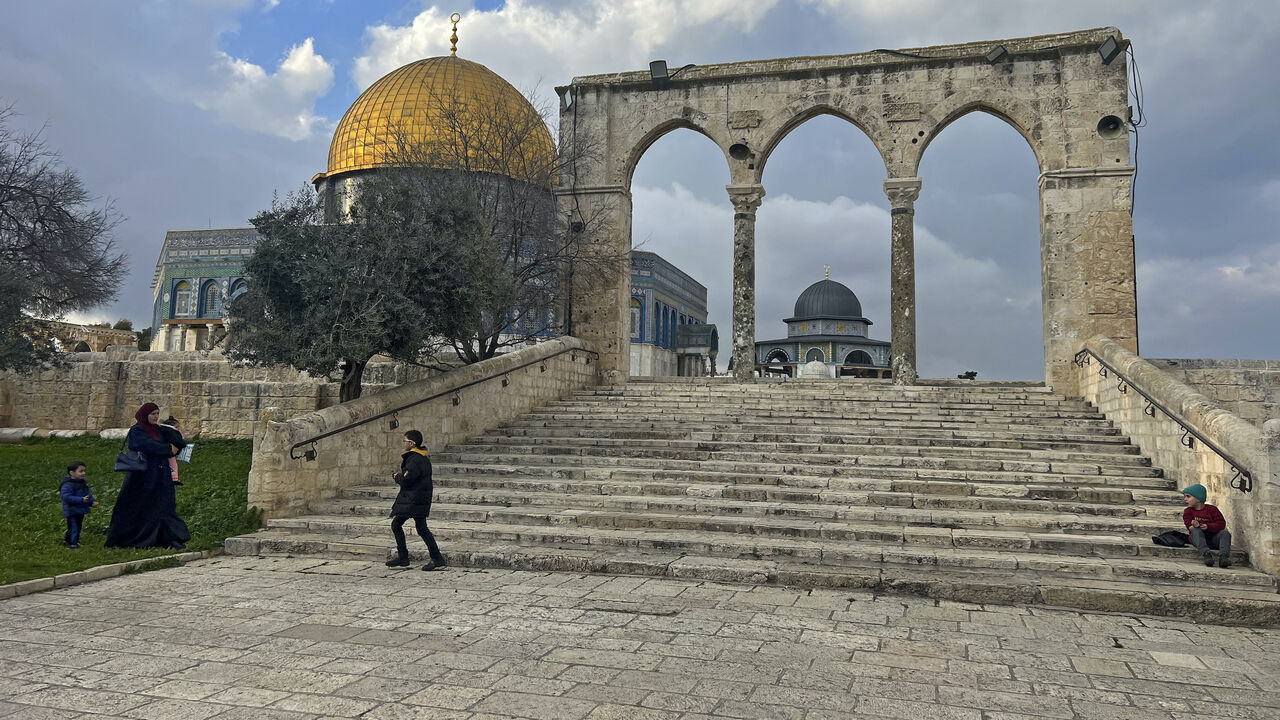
<point>847,466</point>
<point>865,436</point>
<point>1204,602</point>
<point>834,455</point>
<point>998,530</point>
<point>843,420</point>
<point>829,428</point>
<point>293,535</point>
<point>844,409</point>
<point>1116,502</point>
<point>845,479</point>
<point>1123,454</point>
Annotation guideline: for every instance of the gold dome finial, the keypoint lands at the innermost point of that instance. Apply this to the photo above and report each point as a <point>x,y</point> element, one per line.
<point>453,39</point>
<point>828,269</point>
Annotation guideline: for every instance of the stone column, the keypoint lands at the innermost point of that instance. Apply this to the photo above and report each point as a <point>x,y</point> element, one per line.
<point>902,194</point>
<point>598,309</point>
<point>746,199</point>
<point>1088,276</point>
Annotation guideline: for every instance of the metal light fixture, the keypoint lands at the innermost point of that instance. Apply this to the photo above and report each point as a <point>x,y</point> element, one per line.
<point>1109,50</point>
<point>658,74</point>
<point>660,77</point>
<point>310,454</point>
<point>457,399</point>
<point>997,53</point>
<point>393,423</point>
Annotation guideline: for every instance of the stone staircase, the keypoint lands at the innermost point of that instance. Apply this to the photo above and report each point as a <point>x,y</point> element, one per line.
<point>975,492</point>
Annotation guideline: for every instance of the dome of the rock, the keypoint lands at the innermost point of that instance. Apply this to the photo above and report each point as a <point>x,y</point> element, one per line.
<point>449,113</point>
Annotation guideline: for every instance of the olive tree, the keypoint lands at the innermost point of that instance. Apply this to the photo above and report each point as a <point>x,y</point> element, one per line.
<point>399,270</point>
<point>56,247</point>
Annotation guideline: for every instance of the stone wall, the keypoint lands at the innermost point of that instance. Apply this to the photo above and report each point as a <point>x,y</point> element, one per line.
<point>1253,518</point>
<point>472,399</point>
<point>209,394</point>
<point>1248,388</point>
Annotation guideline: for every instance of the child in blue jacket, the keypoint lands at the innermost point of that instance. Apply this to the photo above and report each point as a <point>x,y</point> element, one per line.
<point>77,501</point>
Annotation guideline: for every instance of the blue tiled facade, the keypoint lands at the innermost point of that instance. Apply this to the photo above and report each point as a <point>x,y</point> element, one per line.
<point>197,272</point>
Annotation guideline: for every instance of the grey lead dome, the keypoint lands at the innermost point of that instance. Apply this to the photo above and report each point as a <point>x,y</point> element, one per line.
<point>827,299</point>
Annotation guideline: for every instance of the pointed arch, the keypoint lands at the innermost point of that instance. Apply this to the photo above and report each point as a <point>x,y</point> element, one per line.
<point>798,114</point>
<point>1013,112</point>
<point>210,299</point>
<point>657,133</point>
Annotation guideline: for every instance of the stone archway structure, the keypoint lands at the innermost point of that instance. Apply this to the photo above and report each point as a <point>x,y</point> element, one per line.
<point>1053,89</point>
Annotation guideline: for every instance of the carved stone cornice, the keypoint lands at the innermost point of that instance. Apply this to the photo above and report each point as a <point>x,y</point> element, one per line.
<point>745,198</point>
<point>902,193</point>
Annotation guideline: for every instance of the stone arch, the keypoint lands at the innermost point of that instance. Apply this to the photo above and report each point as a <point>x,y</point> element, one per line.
<point>182,299</point>
<point>815,354</point>
<point>656,133</point>
<point>777,355</point>
<point>798,114</point>
<point>858,357</point>
<point>1052,89</point>
<point>210,299</point>
<point>1013,112</point>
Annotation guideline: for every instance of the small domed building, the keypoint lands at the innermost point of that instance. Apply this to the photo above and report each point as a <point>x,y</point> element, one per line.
<point>826,326</point>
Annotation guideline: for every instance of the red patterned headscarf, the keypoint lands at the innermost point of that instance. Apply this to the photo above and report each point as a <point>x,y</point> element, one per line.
<point>142,415</point>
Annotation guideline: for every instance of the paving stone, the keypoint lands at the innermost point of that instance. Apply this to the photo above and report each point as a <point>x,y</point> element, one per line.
<point>905,657</point>
<point>325,705</point>
<point>174,710</point>
<point>538,707</point>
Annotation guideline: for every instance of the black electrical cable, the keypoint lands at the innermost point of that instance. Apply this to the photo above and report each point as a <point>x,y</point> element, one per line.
<point>1138,121</point>
<point>903,54</point>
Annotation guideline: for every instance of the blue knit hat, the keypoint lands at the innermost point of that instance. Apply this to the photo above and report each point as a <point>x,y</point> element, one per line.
<point>1196,491</point>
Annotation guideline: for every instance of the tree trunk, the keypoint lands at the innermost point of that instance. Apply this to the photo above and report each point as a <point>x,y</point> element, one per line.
<point>352,372</point>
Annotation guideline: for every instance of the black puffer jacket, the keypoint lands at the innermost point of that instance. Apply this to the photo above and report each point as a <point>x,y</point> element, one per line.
<point>414,479</point>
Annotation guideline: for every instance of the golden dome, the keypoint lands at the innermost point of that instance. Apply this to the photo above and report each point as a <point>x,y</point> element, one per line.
<point>450,113</point>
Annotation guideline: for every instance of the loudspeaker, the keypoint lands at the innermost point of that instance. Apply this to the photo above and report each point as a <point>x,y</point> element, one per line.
<point>1110,127</point>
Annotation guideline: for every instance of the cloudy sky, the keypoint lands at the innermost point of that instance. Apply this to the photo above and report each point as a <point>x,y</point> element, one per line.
<point>191,113</point>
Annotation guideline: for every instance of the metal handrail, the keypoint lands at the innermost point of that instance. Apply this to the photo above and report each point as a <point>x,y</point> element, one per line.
<point>311,454</point>
<point>1241,478</point>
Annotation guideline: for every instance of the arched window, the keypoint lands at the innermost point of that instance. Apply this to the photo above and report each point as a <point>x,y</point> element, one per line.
<point>857,357</point>
<point>777,356</point>
<point>210,299</point>
<point>815,354</point>
<point>182,299</point>
<point>636,318</point>
<point>237,288</point>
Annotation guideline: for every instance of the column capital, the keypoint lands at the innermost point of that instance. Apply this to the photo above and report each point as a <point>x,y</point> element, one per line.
<point>902,193</point>
<point>745,198</point>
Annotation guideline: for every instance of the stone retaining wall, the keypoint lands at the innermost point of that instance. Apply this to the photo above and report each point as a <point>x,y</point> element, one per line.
<point>1253,518</point>
<point>209,394</point>
<point>1248,388</point>
<point>283,486</point>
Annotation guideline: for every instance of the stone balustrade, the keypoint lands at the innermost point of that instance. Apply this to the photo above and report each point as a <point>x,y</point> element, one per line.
<point>487,394</point>
<point>1253,518</point>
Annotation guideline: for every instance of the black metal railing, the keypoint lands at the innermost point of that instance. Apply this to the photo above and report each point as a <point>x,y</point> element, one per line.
<point>1241,478</point>
<point>505,375</point>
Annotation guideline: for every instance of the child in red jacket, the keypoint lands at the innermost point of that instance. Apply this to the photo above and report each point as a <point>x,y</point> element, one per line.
<point>1206,525</point>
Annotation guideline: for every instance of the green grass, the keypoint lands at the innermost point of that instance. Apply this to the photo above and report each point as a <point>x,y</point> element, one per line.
<point>211,499</point>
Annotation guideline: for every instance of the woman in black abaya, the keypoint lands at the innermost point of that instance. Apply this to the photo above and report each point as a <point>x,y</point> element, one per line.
<point>146,512</point>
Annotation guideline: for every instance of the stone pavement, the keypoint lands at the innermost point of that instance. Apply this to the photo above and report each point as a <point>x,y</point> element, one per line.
<point>307,638</point>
